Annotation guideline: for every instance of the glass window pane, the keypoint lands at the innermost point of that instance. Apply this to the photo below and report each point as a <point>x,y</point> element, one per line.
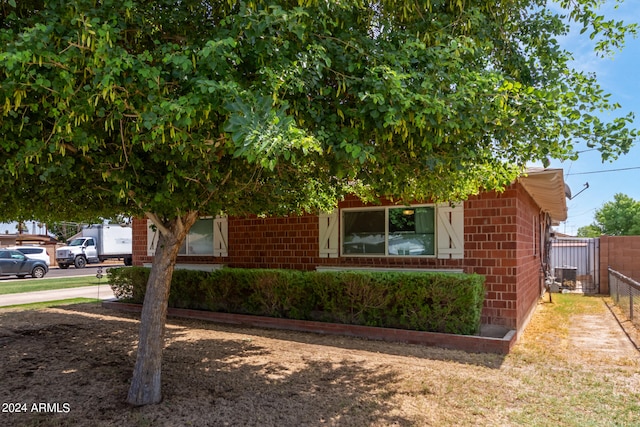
<point>200,238</point>
<point>364,232</point>
<point>411,231</point>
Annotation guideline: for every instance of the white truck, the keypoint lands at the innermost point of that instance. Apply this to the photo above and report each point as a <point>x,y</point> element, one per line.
<point>96,243</point>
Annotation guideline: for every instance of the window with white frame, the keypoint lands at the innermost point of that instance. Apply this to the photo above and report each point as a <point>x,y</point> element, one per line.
<point>389,231</point>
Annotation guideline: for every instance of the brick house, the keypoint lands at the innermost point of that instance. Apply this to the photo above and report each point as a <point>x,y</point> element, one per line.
<point>499,235</point>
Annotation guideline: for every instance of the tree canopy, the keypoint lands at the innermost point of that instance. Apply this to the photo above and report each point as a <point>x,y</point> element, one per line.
<point>157,106</point>
<point>174,109</point>
<point>620,217</point>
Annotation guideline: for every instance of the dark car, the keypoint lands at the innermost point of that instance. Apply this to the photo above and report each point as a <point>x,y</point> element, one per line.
<point>14,263</point>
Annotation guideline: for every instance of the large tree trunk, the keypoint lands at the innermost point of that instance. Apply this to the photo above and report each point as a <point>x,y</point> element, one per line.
<point>146,382</point>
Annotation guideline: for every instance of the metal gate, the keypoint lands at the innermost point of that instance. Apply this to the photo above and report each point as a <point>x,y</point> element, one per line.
<point>575,264</point>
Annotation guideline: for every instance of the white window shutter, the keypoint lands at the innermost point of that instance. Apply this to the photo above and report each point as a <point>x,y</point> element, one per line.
<point>220,236</point>
<point>329,233</point>
<point>152,238</point>
<point>450,231</point>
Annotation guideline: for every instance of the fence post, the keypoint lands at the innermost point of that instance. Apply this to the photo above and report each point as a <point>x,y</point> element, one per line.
<point>620,283</point>
<point>614,279</point>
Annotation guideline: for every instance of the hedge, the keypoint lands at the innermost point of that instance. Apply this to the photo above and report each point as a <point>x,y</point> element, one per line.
<point>434,302</point>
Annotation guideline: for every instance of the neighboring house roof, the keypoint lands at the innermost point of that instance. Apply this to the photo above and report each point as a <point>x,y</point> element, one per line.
<point>35,239</point>
<point>563,235</point>
<point>548,189</point>
<point>26,240</point>
<point>7,240</point>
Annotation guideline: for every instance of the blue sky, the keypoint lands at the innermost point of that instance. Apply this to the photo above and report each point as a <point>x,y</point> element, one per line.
<point>619,76</point>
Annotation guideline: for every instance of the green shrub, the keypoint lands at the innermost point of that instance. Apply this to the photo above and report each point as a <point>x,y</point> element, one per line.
<point>436,302</point>
<point>187,287</point>
<point>280,293</point>
<point>358,298</point>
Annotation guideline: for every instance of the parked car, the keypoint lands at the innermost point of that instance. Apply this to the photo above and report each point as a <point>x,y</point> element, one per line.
<point>15,263</point>
<point>37,252</point>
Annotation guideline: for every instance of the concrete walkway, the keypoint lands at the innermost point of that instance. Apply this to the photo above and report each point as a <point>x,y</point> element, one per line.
<point>99,292</point>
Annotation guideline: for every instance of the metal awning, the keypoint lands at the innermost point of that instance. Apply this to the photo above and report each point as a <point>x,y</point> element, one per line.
<point>548,189</point>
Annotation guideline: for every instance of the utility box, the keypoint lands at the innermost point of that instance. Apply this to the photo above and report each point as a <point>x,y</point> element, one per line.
<point>566,276</point>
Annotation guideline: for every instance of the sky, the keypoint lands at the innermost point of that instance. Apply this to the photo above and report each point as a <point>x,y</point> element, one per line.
<point>620,76</point>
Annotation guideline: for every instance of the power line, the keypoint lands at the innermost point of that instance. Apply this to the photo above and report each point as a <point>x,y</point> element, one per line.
<point>584,151</point>
<point>603,171</point>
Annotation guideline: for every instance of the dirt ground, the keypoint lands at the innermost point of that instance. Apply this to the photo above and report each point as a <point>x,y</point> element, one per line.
<point>71,365</point>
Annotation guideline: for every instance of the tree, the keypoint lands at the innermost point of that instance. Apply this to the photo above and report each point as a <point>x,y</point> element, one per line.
<point>591,230</point>
<point>171,110</point>
<point>620,217</point>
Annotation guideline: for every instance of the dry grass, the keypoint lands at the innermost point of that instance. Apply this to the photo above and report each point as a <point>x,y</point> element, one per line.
<point>220,375</point>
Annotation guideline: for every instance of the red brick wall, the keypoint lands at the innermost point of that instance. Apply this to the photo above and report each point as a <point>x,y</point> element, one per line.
<point>621,253</point>
<point>500,234</point>
<point>290,242</point>
<point>139,235</point>
<point>529,274</point>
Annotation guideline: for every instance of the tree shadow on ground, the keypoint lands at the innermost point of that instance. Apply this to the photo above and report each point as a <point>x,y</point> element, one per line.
<point>488,360</point>
<point>240,383</point>
<point>83,356</point>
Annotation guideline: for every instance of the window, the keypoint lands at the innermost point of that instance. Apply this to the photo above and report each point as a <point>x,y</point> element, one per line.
<point>389,231</point>
<point>199,241</point>
<point>208,236</point>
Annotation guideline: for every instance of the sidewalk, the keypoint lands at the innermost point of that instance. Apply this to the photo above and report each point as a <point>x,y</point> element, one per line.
<point>99,292</point>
